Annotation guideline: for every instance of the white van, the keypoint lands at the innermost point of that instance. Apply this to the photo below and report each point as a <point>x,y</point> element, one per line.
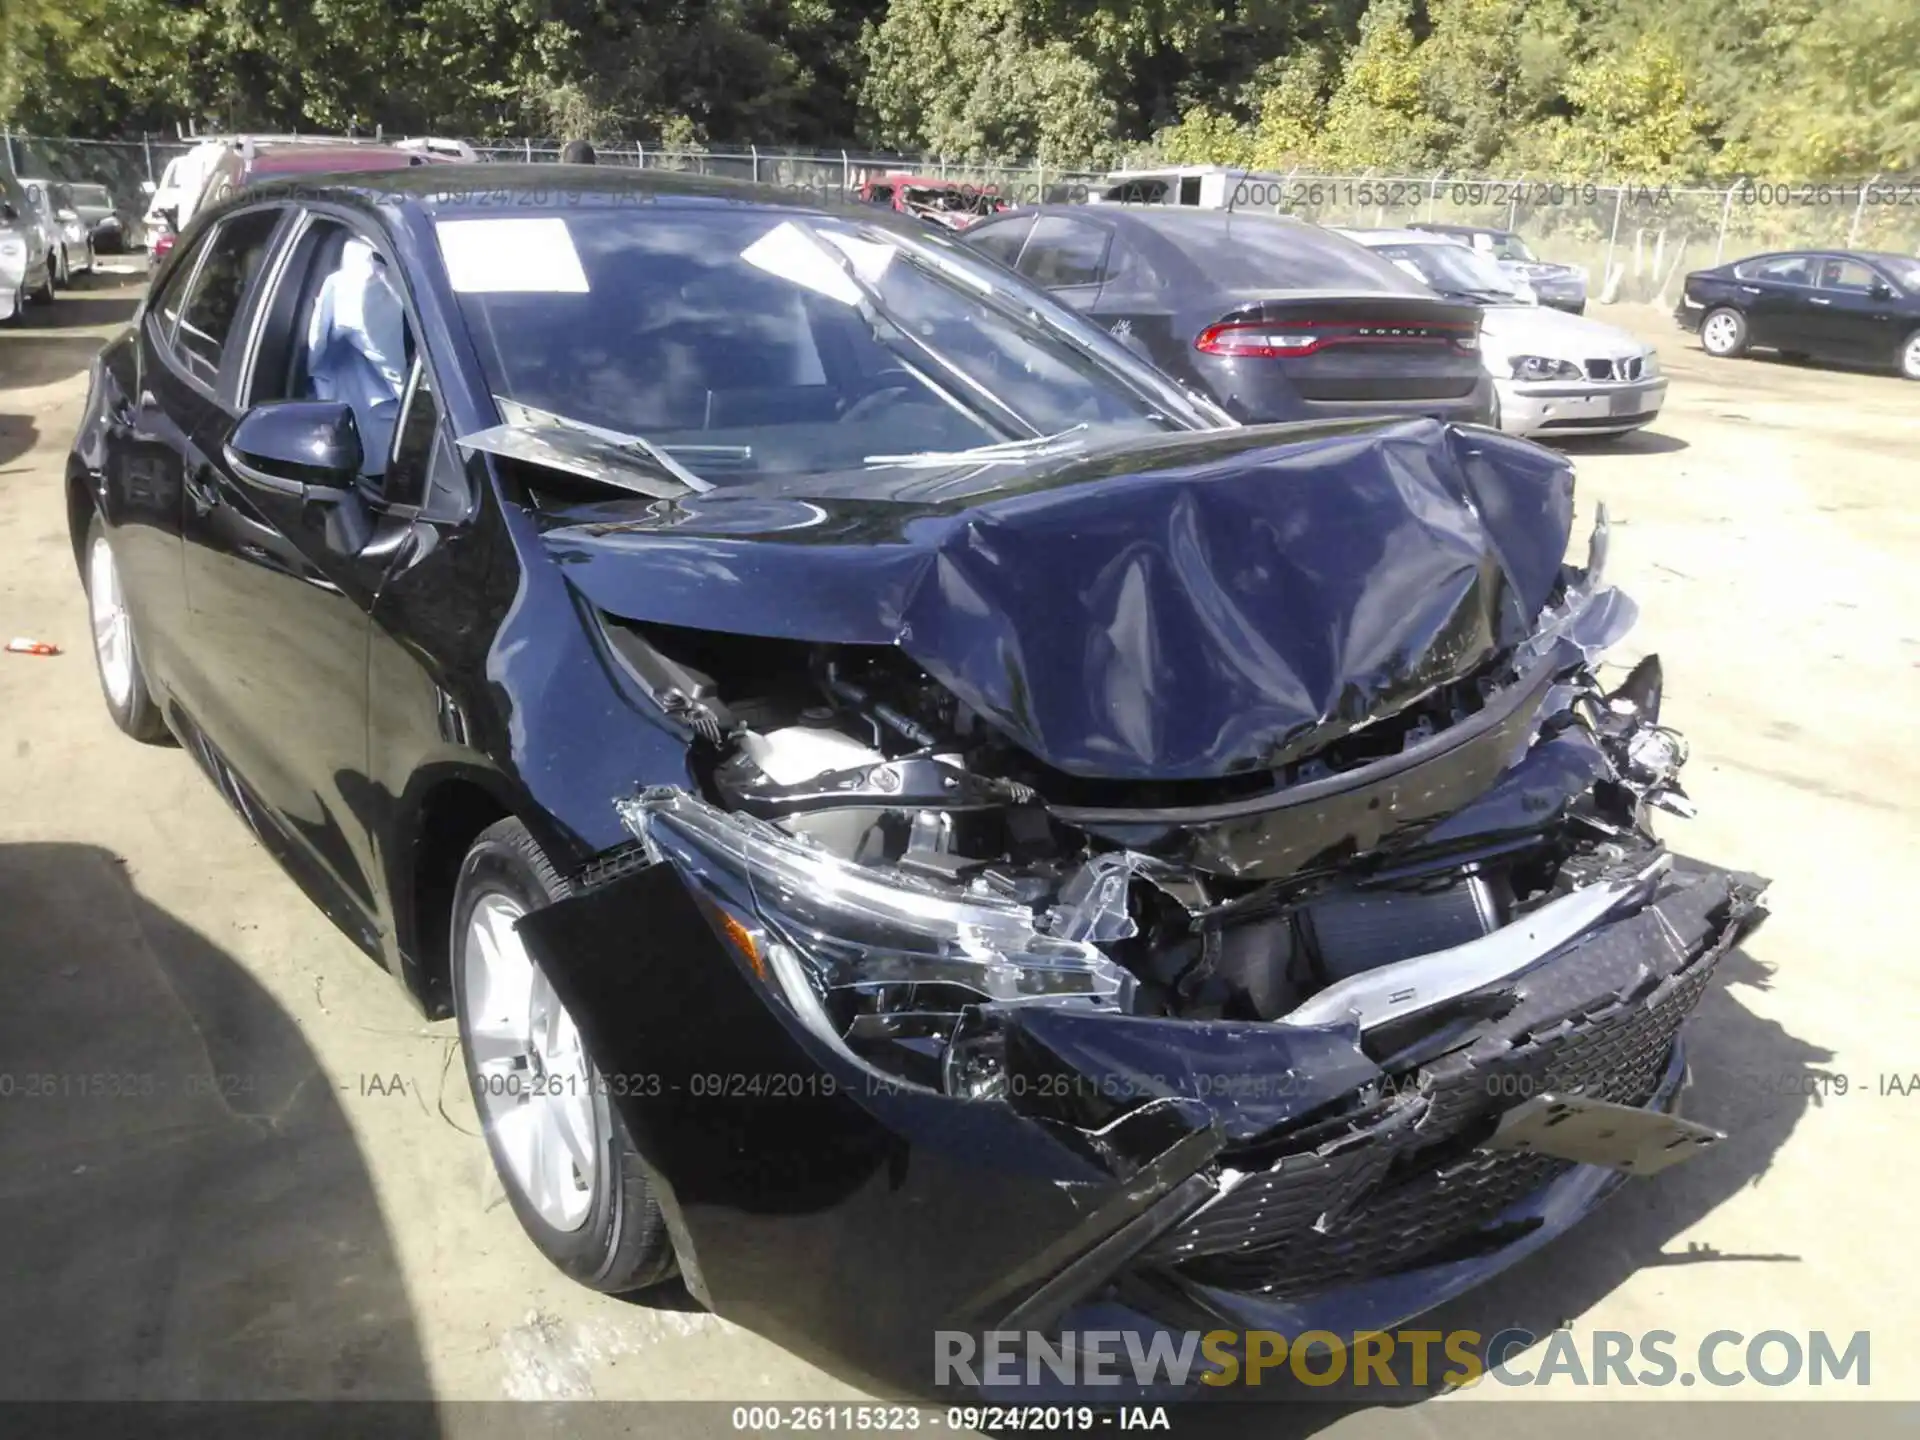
<point>177,195</point>
<point>1204,187</point>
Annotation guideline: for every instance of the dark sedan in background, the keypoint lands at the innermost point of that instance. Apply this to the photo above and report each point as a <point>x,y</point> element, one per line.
<point>1559,287</point>
<point>923,824</point>
<point>1852,306</point>
<point>1275,318</point>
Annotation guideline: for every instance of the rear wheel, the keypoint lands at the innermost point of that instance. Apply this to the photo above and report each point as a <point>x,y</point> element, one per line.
<point>562,1151</point>
<point>1723,333</point>
<point>1910,356</point>
<point>116,655</point>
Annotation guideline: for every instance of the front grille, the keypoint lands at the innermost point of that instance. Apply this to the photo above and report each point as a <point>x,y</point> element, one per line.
<point>1615,369</point>
<point>1406,1188</point>
<point>1400,1228</point>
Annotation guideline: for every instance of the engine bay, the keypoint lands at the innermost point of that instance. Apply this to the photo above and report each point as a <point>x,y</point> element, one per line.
<point>1424,833</point>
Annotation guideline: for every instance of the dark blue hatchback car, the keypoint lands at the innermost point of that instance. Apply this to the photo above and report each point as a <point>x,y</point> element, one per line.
<point>924,824</point>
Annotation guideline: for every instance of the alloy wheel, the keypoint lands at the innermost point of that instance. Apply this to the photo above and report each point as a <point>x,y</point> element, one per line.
<point>1910,357</point>
<point>112,627</point>
<point>533,1082</point>
<point>1720,334</point>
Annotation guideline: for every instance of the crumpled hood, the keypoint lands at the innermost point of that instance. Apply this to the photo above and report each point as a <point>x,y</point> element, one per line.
<point>1184,607</point>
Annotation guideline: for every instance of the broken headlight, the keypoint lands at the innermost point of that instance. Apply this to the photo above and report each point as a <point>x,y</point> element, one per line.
<point>831,934</point>
<point>1544,367</point>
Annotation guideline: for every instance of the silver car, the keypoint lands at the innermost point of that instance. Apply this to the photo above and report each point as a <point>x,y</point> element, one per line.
<point>68,234</point>
<point>26,261</point>
<point>1555,374</point>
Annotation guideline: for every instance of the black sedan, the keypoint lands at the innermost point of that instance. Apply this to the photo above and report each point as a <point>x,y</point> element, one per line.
<point>1861,307</point>
<point>1275,318</point>
<point>922,823</point>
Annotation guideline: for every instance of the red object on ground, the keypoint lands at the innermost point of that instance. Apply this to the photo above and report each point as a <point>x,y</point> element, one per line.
<point>31,647</point>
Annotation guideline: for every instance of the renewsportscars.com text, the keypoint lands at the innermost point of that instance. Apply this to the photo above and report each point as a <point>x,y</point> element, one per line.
<point>1451,1359</point>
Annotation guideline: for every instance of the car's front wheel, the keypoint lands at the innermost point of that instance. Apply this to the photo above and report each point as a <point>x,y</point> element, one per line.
<point>561,1150</point>
<point>116,654</point>
<point>45,293</point>
<point>1723,333</point>
<point>63,272</point>
<point>1910,356</point>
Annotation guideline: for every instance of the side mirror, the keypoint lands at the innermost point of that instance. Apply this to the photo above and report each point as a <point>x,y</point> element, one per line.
<point>8,211</point>
<point>1880,290</point>
<point>309,449</point>
<point>148,188</point>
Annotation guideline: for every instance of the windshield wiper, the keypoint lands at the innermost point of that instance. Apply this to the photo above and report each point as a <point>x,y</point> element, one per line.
<point>1006,453</point>
<point>873,307</point>
<point>540,437</point>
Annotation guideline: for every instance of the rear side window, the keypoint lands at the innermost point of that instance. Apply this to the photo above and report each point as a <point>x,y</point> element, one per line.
<point>235,252</point>
<point>1784,269</point>
<point>1063,252</point>
<point>1248,252</point>
<point>1001,242</point>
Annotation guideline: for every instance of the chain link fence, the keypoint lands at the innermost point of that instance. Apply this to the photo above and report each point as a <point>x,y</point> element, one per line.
<point>1636,241</point>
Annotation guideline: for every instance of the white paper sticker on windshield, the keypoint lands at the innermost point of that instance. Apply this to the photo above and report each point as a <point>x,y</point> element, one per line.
<point>531,255</point>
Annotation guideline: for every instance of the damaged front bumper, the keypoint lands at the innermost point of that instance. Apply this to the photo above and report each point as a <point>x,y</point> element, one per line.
<point>1264,1175</point>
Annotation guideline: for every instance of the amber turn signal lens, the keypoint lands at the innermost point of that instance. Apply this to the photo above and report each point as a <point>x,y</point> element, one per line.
<point>744,942</point>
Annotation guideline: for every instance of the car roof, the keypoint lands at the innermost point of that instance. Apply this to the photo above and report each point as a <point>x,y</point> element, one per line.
<point>494,188</point>
<point>1815,252</point>
<point>1169,220</point>
<point>1397,237</point>
<point>1447,229</point>
<point>319,159</point>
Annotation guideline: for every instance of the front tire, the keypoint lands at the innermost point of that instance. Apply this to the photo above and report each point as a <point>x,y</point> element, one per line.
<point>561,1150</point>
<point>1910,356</point>
<point>44,295</point>
<point>1723,333</point>
<point>63,274</point>
<point>116,652</point>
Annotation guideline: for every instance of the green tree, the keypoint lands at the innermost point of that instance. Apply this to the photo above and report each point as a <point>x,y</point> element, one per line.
<point>1378,118</point>
<point>968,78</point>
<point>1635,116</point>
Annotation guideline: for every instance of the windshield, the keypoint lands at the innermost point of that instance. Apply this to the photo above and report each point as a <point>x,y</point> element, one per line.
<point>748,344</point>
<point>1512,247</point>
<point>1456,270</point>
<point>1904,272</point>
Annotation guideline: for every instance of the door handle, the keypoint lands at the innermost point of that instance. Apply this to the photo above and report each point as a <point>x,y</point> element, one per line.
<point>1749,289</point>
<point>1816,300</point>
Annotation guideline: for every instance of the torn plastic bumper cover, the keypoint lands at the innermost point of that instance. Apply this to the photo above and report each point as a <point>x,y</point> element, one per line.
<point>1172,1168</point>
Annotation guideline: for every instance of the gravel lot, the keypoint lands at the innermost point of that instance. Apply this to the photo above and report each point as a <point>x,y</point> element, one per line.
<point>333,1229</point>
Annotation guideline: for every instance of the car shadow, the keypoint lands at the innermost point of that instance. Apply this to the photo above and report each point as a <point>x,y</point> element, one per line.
<point>185,1215</point>
<point>1636,442</point>
<point>18,435</point>
<point>1751,1078</point>
<point>98,305</point>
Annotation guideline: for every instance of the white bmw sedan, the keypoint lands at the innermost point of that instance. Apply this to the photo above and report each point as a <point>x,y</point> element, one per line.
<point>1554,373</point>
